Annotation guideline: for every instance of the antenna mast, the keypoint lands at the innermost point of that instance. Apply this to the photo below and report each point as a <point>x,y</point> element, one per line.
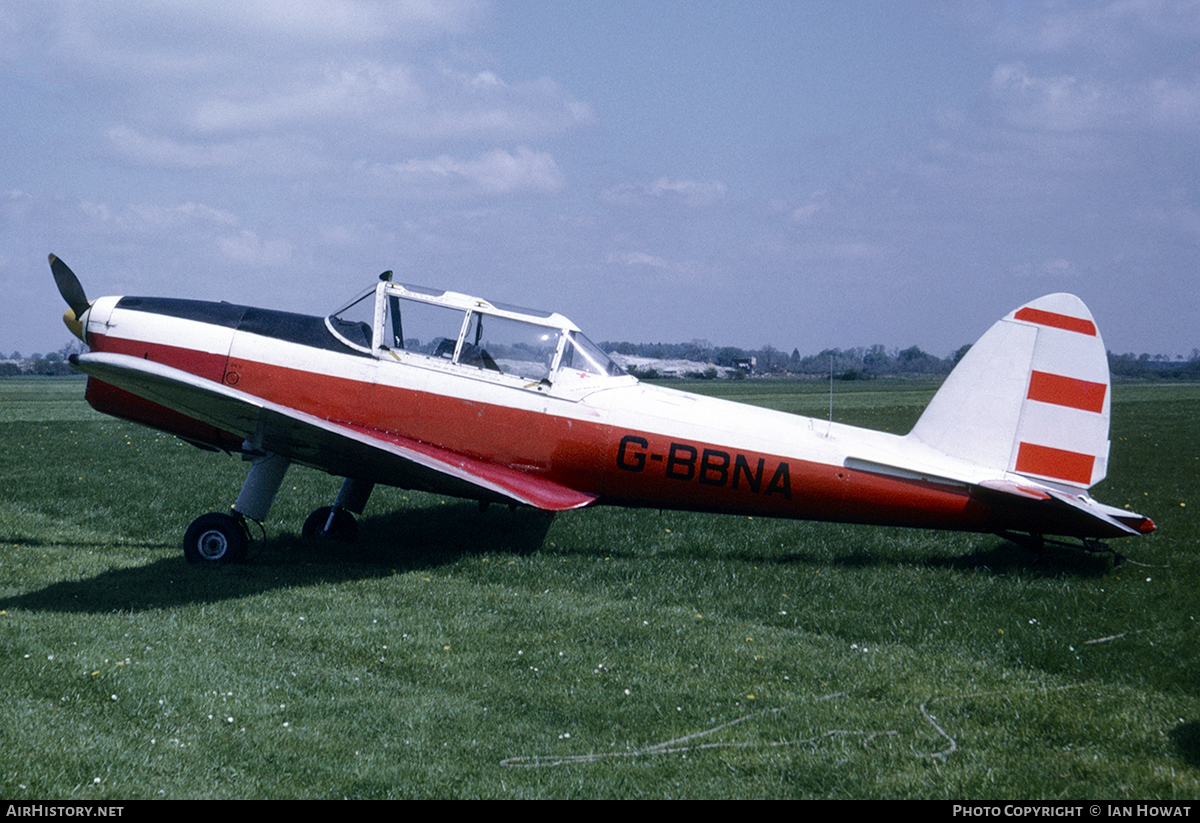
<point>830,394</point>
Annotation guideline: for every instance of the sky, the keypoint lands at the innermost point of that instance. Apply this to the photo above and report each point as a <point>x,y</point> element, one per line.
<point>806,175</point>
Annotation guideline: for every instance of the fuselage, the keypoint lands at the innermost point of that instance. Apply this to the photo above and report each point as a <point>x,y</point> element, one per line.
<point>608,435</point>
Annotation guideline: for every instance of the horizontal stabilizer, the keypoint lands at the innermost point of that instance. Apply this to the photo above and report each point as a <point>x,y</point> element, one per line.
<point>1097,511</point>
<point>1085,516</point>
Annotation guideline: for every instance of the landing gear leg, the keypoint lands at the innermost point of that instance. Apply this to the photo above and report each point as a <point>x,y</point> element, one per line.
<point>223,538</point>
<point>337,522</point>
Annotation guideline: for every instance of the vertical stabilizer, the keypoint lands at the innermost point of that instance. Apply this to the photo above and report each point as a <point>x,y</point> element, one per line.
<point>1031,397</point>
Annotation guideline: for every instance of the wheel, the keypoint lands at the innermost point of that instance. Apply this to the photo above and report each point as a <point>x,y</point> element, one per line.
<point>344,526</point>
<point>215,538</point>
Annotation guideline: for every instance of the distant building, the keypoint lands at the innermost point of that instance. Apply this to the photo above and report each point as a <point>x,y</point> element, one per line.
<point>746,365</point>
<point>658,367</point>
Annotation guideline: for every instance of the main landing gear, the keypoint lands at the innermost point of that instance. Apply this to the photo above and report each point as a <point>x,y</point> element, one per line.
<point>337,522</point>
<point>220,538</point>
<point>216,538</point>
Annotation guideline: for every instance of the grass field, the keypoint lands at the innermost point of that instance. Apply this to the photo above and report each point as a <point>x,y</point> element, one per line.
<point>601,653</point>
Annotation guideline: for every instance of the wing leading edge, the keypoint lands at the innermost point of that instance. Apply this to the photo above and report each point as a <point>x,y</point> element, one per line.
<point>339,448</point>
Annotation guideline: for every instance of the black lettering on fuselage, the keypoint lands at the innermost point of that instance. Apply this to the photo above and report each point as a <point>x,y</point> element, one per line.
<point>741,467</point>
<point>781,482</point>
<point>714,467</point>
<point>710,467</point>
<point>631,462</point>
<point>675,461</point>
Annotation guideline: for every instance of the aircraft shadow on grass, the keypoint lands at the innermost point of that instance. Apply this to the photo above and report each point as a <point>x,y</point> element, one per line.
<point>389,543</point>
<point>996,557</point>
<point>1004,556</point>
<point>427,538</point>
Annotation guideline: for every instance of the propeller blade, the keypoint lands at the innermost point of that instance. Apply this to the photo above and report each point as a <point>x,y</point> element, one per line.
<point>69,287</point>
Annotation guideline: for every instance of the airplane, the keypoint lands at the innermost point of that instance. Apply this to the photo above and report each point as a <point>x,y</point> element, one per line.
<point>422,388</point>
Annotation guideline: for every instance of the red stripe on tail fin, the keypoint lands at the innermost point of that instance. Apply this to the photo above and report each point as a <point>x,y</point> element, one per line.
<point>1067,391</point>
<point>1060,464</point>
<point>1058,321</point>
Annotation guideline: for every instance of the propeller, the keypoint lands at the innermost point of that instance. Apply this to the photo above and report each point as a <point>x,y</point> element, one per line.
<point>68,286</point>
<point>72,292</point>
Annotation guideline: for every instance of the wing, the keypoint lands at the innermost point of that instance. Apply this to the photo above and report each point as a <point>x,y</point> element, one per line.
<point>338,448</point>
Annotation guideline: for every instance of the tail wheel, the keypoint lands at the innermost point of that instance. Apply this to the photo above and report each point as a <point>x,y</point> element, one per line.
<point>330,523</point>
<point>216,538</point>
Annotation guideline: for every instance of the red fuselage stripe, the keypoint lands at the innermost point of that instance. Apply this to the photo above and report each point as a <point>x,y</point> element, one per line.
<point>1067,391</point>
<point>1058,321</point>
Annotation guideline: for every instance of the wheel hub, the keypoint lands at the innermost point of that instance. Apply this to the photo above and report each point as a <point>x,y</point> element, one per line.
<point>213,544</point>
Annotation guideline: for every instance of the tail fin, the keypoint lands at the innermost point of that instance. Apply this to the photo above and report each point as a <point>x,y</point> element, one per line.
<point>1031,397</point>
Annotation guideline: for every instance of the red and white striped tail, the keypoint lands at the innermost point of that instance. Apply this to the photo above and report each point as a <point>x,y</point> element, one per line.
<point>1063,433</point>
<point>1031,397</point>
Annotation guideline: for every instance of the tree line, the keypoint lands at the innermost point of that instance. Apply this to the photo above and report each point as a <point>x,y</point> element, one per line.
<point>52,364</point>
<point>859,363</point>
<point>867,362</point>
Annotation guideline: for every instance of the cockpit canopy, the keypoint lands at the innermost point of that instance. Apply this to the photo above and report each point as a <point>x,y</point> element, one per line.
<point>417,325</point>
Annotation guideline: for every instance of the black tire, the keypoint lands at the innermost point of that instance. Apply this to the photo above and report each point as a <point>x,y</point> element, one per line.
<point>215,538</point>
<point>345,527</point>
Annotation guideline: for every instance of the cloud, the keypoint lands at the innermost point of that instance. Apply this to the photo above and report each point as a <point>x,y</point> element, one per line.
<point>671,271</point>
<point>691,193</point>
<point>146,219</point>
<point>248,249</point>
<point>493,172</point>
<point>1132,64</point>
<point>1054,269</point>
<point>343,21</point>
<point>1107,31</point>
<point>817,203</point>
<point>259,88</point>
<point>850,252</point>
<point>637,258</point>
<point>1070,103</point>
<point>391,100</point>
<point>345,94</point>
<point>274,155</point>
<point>1172,103</point>
<point>117,33</point>
<point>361,116</point>
<point>481,103</point>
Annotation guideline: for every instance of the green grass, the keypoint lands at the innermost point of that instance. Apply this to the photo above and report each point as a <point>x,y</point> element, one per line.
<point>507,654</point>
